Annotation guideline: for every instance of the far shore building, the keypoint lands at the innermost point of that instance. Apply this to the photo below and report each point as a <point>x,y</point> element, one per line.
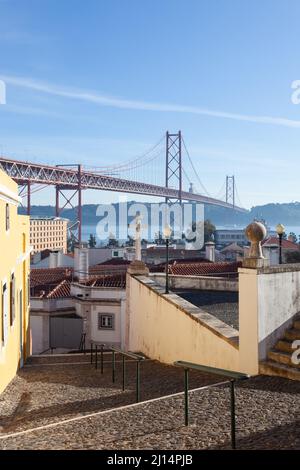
<point>48,233</point>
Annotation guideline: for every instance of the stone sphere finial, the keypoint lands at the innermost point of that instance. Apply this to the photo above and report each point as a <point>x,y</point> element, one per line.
<point>255,232</point>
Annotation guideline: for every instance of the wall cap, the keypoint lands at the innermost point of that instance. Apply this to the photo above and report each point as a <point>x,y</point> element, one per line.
<point>279,268</point>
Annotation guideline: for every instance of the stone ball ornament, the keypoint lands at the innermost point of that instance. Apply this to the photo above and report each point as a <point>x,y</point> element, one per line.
<point>256,232</point>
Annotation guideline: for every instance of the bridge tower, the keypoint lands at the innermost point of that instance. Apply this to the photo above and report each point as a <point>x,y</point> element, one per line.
<point>69,202</point>
<point>174,163</point>
<point>230,190</point>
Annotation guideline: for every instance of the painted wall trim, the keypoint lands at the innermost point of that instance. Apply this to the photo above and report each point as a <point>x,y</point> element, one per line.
<point>9,196</point>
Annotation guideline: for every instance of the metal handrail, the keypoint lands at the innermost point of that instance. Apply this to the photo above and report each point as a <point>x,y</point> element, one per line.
<point>233,377</point>
<point>137,357</point>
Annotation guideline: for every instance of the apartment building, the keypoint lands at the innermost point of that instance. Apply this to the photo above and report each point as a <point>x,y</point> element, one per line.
<point>14,282</point>
<point>48,233</point>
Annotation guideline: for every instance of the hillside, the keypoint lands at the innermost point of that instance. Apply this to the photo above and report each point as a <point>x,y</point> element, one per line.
<point>286,213</point>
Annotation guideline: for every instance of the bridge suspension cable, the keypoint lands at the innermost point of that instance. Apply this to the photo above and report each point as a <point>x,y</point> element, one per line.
<point>194,169</point>
<point>132,163</point>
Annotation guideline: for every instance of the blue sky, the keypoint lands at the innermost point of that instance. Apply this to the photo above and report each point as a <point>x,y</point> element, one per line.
<point>99,82</point>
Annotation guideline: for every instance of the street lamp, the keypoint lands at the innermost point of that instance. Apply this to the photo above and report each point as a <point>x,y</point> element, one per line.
<point>280,231</point>
<point>167,231</point>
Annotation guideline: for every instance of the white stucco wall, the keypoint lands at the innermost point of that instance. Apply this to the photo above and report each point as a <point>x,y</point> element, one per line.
<point>39,332</point>
<point>106,336</point>
<point>278,303</point>
<point>168,328</point>
<point>269,299</point>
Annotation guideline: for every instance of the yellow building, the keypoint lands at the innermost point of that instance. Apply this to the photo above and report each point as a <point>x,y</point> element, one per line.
<point>14,282</point>
<point>48,233</point>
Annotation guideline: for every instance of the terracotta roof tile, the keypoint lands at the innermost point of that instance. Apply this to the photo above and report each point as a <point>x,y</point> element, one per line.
<point>115,280</point>
<point>285,243</point>
<point>47,276</point>
<point>60,291</point>
<point>203,269</point>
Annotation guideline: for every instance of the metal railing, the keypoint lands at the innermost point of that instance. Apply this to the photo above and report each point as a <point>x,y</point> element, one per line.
<point>233,376</point>
<point>82,343</point>
<point>138,358</point>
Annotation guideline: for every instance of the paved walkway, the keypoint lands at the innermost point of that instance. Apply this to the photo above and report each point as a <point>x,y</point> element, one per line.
<point>43,394</point>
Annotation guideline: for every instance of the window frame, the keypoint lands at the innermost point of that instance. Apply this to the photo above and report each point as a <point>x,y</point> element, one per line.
<point>7,217</point>
<point>101,321</point>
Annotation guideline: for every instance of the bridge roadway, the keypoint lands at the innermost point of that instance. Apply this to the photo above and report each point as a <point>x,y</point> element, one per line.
<point>68,178</point>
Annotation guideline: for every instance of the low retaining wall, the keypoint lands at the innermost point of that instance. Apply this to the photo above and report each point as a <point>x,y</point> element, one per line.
<point>197,282</point>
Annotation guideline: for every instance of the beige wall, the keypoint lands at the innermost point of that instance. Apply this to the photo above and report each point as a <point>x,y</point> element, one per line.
<point>168,328</point>
<point>248,321</point>
<point>14,271</point>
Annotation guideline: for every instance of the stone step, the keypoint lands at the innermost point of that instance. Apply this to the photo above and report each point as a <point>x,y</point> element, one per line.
<point>282,358</point>
<point>296,324</point>
<point>292,334</point>
<point>281,370</point>
<point>284,345</point>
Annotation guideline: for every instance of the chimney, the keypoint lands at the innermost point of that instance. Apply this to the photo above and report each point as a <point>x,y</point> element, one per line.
<point>81,262</point>
<point>53,259</point>
<point>210,253</point>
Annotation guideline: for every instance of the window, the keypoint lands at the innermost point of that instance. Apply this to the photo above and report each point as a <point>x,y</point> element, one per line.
<point>28,290</point>
<point>4,311</point>
<point>24,242</point>
<point>7,217</point>
<point>106,322</point>
<point>12,299</point>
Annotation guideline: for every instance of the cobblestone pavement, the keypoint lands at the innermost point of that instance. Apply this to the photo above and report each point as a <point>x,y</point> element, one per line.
<point>221,304</point>
<point>267,410</point>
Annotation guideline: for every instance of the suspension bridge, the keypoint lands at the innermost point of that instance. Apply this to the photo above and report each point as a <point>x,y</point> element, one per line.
<point>163,171</point>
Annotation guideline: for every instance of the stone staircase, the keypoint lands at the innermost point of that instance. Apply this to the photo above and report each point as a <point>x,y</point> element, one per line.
<point>279,360</point>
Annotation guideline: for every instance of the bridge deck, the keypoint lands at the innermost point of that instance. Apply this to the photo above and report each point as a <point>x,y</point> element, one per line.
<point>66,178</point>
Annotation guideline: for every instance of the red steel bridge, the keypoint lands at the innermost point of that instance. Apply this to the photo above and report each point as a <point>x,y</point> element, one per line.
<point>71,180</point>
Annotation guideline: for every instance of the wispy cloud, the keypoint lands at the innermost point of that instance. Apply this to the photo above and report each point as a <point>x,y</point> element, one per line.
<point>121,103</point>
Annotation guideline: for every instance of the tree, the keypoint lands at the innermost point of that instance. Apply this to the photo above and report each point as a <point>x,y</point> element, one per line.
<point>209,230</point>
<point>292,256</point>
<point>112,243</point>
<point>92,241</point>
<point>159,238</point>
<point>129,241</point>
<point>293,237</point>
<point>71,243</point>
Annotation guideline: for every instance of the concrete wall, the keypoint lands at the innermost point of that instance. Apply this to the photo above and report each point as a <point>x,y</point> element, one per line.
<point>50,305</point>
<point>112,337</point>
<point>95,300</point>
<point>168,328</point>
<point>197,282</point>
<point>40,333</point>
<point>278,303</point>
<point>269,299</point>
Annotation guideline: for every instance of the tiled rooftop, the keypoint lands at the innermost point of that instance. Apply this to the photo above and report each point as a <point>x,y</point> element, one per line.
<point>59,283</point>
<point>202,269</point>
<point>285,243</point>
<point>63,289</point>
